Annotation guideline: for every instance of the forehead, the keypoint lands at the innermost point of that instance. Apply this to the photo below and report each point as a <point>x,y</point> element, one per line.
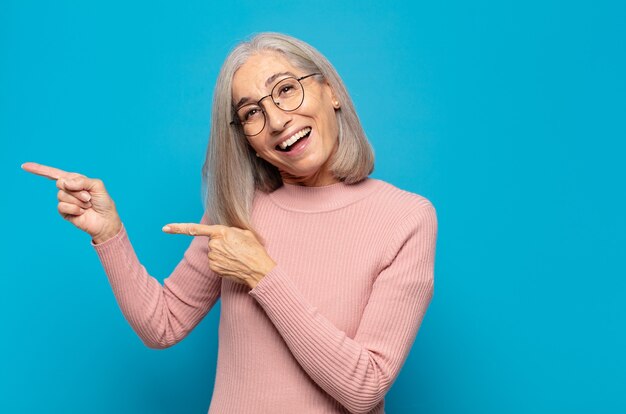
<point>250,79</point>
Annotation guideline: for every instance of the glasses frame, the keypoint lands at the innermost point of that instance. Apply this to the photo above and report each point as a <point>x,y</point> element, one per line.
<point>238,122</point>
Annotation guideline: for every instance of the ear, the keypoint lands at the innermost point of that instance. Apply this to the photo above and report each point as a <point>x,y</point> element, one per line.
<point>333,97</point>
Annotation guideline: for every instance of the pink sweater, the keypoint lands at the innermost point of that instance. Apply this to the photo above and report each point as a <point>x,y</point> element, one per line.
<point>328,329</point>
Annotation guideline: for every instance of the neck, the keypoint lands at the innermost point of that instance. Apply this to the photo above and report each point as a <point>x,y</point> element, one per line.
<point>319,179</point>
<point>302,198</point>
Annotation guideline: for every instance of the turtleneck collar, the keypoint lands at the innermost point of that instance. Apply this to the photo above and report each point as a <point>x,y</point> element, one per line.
<point>325,198</point>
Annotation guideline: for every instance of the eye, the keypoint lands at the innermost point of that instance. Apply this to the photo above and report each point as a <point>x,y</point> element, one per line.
<point>249,113</point>
<point>286,88</point>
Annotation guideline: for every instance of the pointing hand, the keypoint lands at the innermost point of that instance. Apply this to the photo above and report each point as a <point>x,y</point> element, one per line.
<point>83,201</point>
<point>234,253</point>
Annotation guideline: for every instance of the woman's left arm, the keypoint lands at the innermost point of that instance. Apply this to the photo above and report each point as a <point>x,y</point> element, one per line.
<point>358,372</point>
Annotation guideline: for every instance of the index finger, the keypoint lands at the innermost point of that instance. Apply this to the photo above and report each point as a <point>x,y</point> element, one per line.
<point>44,170</point>
<point>194,229</point>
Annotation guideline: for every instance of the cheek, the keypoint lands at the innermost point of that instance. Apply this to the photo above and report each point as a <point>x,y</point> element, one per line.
<point>255,146</point>
<point>332,124</point>
<point>326,114</point>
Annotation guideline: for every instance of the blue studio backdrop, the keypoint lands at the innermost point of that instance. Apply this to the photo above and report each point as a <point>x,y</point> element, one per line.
<point>509,117</point>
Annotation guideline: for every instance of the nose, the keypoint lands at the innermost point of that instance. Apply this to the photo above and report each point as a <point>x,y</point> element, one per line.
<point>277,119</point>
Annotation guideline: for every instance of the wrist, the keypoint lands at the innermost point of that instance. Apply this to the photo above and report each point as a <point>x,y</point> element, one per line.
<point>257,277</point>
<point>107,234</point>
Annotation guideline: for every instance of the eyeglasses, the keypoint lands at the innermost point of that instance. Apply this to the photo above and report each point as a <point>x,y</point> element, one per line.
<point>287,95</point>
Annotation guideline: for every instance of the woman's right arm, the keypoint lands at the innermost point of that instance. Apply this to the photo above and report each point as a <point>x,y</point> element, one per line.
<point>161,315</point>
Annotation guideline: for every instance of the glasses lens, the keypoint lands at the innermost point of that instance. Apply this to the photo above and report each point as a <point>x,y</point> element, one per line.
<point>288,94</point>
<point>252,119</point>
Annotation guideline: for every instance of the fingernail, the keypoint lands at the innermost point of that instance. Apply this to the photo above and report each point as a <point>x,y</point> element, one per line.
<point>85,196</point>
<point>166,228</point>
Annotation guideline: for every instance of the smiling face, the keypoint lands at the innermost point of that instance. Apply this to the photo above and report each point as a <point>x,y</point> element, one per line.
<point>309,134</point>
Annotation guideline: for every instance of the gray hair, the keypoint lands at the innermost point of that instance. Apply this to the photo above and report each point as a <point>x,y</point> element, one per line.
<point>232,172</point>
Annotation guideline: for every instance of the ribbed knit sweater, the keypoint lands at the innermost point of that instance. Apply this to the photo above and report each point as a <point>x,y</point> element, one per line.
<point>328,329</point>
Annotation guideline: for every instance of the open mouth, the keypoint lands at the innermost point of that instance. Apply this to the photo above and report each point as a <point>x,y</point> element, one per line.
<point>290,143</point>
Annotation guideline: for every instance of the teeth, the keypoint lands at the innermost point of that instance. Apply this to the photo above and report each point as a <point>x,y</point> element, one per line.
<point>295,137</point>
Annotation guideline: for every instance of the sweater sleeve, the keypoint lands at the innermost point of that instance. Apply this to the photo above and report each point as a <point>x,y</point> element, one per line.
<point>161,315</point>
<point>358,372</point>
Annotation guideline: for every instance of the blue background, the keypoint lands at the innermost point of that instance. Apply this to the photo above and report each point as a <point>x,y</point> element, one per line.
<point>508,117</point>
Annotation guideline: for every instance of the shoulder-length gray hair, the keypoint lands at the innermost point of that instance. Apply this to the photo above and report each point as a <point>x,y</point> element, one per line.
<point>232,171</point>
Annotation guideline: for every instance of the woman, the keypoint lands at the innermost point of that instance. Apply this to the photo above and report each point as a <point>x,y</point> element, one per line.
<point>324,274</point>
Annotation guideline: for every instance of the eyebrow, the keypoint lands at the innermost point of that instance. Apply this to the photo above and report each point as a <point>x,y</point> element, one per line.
<point>268,82</point>
<point>275,76</point>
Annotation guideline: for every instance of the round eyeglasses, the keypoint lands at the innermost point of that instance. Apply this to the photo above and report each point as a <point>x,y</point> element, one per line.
<point>287,95</point>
